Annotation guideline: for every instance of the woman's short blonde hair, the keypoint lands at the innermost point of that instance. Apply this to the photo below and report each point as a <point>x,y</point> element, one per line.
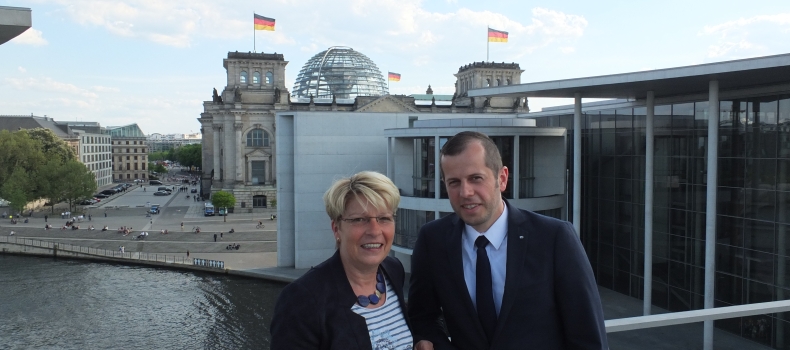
<point>378,189</point>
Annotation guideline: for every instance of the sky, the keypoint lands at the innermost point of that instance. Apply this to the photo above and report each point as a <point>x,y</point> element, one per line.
<point>154,62</point>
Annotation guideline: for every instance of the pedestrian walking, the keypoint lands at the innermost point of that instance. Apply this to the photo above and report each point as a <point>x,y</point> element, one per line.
<point>220,235</point>
<point>182,227</point>
<point>90,218</point>
<point>45,218</point>
<point>187,253</point>
<point>215,237</point>
<point>105,214</point>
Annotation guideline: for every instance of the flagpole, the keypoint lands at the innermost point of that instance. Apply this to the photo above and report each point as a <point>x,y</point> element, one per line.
<point>253,32</point>
<point>487,42</point>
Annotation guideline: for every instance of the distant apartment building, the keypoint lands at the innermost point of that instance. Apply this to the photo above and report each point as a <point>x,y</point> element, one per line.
<point>129,153</point>
<point>88,139</point>
<point>162,142</point>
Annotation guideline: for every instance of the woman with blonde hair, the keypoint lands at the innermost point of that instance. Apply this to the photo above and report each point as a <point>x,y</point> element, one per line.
<point>354,299</point>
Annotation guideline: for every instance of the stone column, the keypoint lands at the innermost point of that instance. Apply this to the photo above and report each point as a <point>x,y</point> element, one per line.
<point>228,156</point>
<point>647,301</point>
<point>239,159</point>
<point>710,210</point>
<point>577,163</point>
<point>216,129</point>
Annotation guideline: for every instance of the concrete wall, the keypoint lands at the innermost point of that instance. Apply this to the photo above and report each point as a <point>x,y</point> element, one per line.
<point>326,147</point>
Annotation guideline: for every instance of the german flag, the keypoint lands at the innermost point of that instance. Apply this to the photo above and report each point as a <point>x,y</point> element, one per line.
<point>497,36</point>
<point>394,76</point>
<point>263,23</point>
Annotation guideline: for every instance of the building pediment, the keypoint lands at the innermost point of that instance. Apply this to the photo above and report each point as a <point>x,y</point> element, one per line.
<point>387,104</point>
<point>258,153</point>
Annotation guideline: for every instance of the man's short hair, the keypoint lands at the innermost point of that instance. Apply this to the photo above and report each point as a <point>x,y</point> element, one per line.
<point>378,189</point>
<point>458,143</point>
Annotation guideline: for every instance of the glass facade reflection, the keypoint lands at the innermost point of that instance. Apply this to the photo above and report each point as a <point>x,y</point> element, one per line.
<point>753,205</point>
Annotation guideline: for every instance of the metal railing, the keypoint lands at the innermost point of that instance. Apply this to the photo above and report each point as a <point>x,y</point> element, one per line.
<point>66,247</point>
<point>683,317</point>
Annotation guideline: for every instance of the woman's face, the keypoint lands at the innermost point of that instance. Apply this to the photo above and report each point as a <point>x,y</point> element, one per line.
<point>364,243</point>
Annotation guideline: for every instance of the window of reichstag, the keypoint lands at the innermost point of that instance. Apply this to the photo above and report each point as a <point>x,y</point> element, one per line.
<point>259,201</point>
<point>269,78</point>
<point>257,138</point>
<point>256,78</point>
<point>243,77</point>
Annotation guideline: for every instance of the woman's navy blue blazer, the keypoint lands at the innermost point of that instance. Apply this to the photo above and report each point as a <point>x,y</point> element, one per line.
<point>314,312</point>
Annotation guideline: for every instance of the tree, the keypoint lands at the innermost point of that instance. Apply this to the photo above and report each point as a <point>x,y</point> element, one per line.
<point>19,151</point>
<point>225,200</point>
<point>81,183</point>
<point>52,145</point>
<point>16,190</point>
<point>50,183</point>
<point>190,155</point>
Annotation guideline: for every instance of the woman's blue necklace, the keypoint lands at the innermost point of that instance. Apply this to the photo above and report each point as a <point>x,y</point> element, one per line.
<point>374,298</point>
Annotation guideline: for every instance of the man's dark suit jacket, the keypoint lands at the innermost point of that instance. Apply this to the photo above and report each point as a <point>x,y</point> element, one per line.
<point>314,312</point>
<point>550,300</point>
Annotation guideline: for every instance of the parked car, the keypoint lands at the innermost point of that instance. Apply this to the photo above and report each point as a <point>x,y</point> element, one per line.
<point>86,202</point>
<point>154,182</point>
<point>194,190</point>
<point>154,209</point>
<point>101,195</point>
<point>108,192</point>
<point>161,193</point>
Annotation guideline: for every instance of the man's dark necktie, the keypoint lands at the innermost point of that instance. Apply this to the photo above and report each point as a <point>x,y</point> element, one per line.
<point>486,310</point>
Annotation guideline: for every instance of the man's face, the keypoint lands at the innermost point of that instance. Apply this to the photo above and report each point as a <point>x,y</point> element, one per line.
<point>474,190</point>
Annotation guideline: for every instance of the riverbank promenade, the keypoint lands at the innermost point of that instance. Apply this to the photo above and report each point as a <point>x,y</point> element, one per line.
<point>256,256</point>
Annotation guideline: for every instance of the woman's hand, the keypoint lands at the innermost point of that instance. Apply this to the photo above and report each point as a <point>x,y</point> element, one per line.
<point>423,345</point>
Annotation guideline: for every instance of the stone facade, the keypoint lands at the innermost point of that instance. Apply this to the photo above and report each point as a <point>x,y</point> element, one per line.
<point>238,130</point>
<point>130,159</point>
<point>479,75</point>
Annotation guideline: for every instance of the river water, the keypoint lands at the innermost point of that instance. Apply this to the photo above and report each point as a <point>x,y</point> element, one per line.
<point>71,304</point>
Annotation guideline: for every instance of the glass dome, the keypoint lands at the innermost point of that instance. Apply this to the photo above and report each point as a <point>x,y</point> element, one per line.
<point>342,72</point>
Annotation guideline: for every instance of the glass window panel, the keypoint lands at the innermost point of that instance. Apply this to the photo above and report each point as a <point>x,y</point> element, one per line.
<point>662,119</point>
<point>505,146</point>
<point>259,201</point>
<point>593,120</point>
<point>758,292</point>
<point>729,259</point>
<point>731,172</point>
<point>683,116</point>
<point>760,204</point>
<point>783,206</point>
<point>258,176</point>
<point>729,289</point>
<point>729,230</point>
<point>679,299</point>
<point>624,118</point>
<point>660,294</point>
<point>759,235</point>
<point>269,78</point>
<point>761,173</point>
<point>243,77</point>
<point>256,77</point>
<point>701,115</point>
<point>783,135</point>
<point>783,275</point>
<point>622,281</point>
<point>624,143</point>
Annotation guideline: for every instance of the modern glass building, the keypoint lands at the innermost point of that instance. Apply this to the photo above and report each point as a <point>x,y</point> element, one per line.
<point>715,140</point>
<point>535,155</point>
<point>339,72</point>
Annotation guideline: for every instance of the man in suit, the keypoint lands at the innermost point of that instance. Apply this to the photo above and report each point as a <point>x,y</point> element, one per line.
<point>530,286</point>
